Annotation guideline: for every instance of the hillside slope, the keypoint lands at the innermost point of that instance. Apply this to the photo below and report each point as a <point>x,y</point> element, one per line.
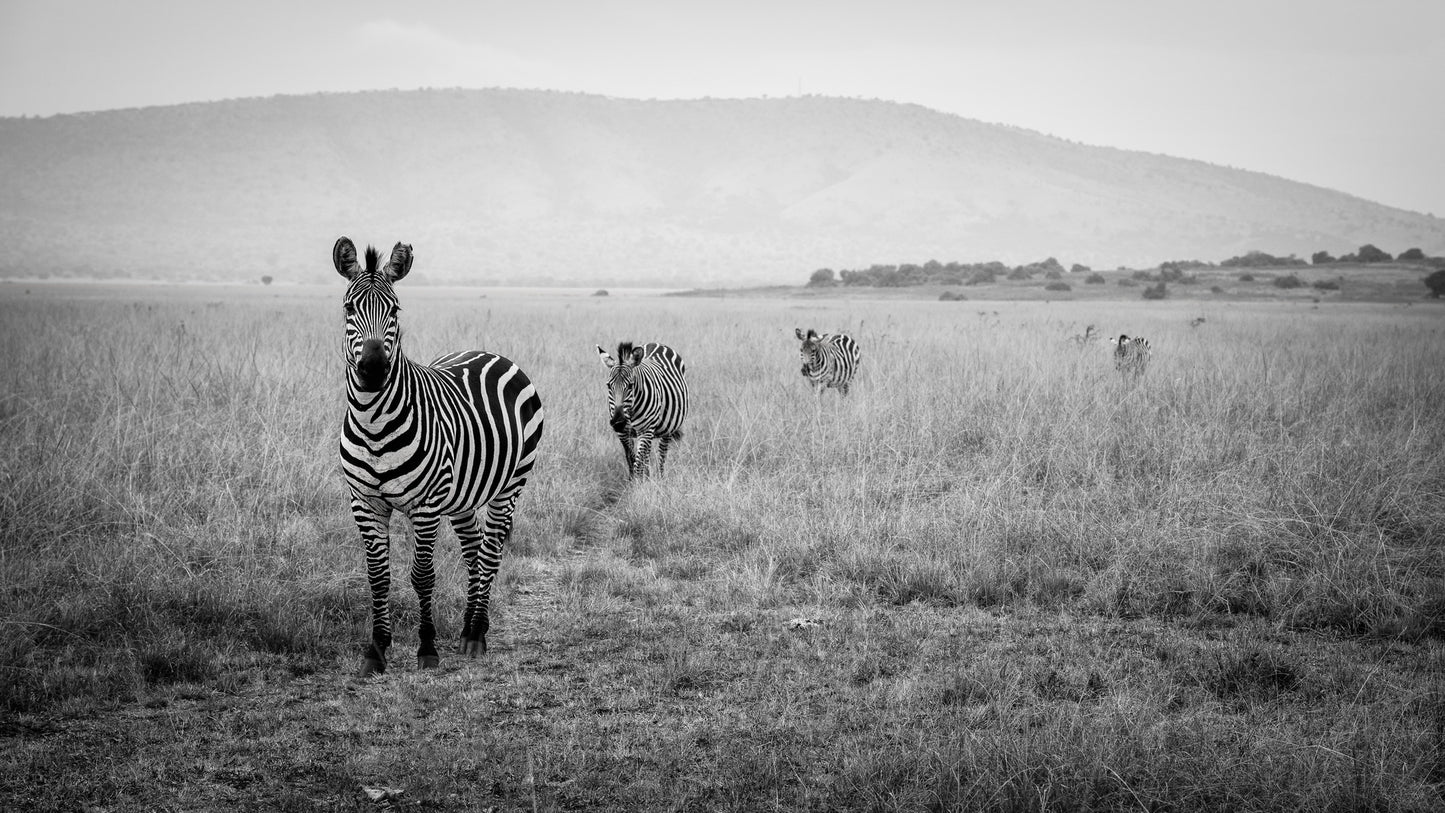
<point>531,187</point>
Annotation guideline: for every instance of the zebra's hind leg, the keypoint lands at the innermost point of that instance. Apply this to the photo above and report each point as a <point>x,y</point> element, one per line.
<point>482,552</point>
<point>843,388</point>
<point>373,522</point>
<point>423,579</point>
<point>662,444</point>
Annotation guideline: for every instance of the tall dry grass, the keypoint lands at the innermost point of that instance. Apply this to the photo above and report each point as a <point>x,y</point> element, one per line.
<point>172,513</point>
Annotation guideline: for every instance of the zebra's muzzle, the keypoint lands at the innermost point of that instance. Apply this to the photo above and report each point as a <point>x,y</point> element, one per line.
<point>373,366</point>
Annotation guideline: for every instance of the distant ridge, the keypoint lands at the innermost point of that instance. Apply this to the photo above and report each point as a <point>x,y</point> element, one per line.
<point>538,187</point>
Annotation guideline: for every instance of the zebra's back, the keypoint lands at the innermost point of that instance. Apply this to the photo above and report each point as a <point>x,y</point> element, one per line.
<point>662,399</point>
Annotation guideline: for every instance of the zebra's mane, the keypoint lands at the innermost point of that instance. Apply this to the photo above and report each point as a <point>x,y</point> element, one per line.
<point>624,351</point>
<point>372,258</point>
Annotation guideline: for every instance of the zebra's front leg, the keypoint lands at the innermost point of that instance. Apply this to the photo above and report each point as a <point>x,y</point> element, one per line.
<point>482,552</point>
<point>423,579</point>
<point>625,437</point>
<point>644,452</point>
<point>373,522</point>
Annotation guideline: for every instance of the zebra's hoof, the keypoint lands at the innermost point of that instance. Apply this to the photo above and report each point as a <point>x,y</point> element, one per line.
<point>474,649</point>
<point>372,666</point>
<point>428,661</point>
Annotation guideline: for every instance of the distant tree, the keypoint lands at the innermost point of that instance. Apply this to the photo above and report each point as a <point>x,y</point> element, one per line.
<point>266,279</point>
<point>1246,277</point>
<point>1094,279</point>
<point>1411,255</point>
<point>1020,273</point>
<point>1215,289</point>
<point>1288,281</point>
<point>1326,285</point>
<point>1370,254</point>
<point>951,296</point>
<point>821,277</point>
<point>1058,286</point>
<point>600,292</point>
<point>1436,283</point>
<point>1052,274</point>
<point>1157,291</point>
<point>1127,283</point>
<point>1321,258</point>
<point>1079,269</point>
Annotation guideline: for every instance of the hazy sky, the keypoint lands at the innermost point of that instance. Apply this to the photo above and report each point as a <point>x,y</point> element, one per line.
<point>1346,95</point>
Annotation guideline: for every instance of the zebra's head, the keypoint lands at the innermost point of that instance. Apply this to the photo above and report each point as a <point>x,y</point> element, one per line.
<point>373,334</point>
<point>809,355</point>
<point>619,379</point>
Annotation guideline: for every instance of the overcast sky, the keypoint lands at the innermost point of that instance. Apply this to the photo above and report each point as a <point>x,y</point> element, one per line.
<point>1345,95</point>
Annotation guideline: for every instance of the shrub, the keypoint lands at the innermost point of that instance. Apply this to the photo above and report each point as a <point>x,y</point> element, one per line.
<point>1076,268</point>
<point>1321,258</point>
<point>1370,254</point>
<point>1058,286</point>
<point>1094,279</point>
<point>1259,259</point>
<point>951,296</point>
<point>266,279</point>
<point>1051,274</point>
<point>1144,275</point>
<point>821,277</point>
<point>1288,281</point>
<point>1128,283</point>
<point>1246,278</point>
<point>1020,273</point>
<point>1158,291</point>
<point>1216,290</point>
<point>1326,285</point>
<point>1436,283</point>
<point>600,292</point>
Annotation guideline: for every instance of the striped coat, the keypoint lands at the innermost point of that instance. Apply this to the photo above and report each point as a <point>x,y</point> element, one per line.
<point>829,360</point>
<point>646,401</point>
<point>1131,355</point>
<point>454,439</point>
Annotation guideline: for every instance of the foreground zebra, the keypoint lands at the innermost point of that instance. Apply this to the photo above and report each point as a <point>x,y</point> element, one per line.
<point>452,439</point>
<point>829,360</point>
<point>646,400</point>
<point>1131,355</point>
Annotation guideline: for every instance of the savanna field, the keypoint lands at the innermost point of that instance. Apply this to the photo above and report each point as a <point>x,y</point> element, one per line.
<point>995,577</point>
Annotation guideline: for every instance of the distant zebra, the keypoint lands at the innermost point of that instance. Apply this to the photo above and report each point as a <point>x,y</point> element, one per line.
<point>455,439</point>
<point>646,400</point>
<point>829,360</point>
<point>1131,356</point>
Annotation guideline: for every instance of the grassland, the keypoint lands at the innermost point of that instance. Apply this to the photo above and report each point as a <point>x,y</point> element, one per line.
<point>995,577</point>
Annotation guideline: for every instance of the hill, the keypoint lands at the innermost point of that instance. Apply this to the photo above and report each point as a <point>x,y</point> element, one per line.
<point>536,187</point>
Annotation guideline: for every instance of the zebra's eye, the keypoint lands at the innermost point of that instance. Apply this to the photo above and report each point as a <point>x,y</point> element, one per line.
<point>349,308</point>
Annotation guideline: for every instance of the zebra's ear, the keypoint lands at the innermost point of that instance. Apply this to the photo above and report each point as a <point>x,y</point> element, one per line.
<point>637,355</point>
<point>607,360</point>
<point>797,331</point>
<point>400,262</point>
<point>343,256</point>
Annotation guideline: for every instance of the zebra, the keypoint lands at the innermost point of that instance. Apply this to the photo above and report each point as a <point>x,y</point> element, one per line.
<point>1131,355</point>
<point>455,438</point>
<point>830,360</point>
<point>646,400</point>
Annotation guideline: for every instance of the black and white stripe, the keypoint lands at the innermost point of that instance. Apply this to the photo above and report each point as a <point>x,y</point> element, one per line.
<point>829,360</point>
<point>1131,355</point>
<point>454,439</point>
<point>646,401</point>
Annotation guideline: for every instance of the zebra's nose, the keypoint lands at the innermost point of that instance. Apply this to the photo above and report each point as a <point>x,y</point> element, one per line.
<point>372,364</point>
